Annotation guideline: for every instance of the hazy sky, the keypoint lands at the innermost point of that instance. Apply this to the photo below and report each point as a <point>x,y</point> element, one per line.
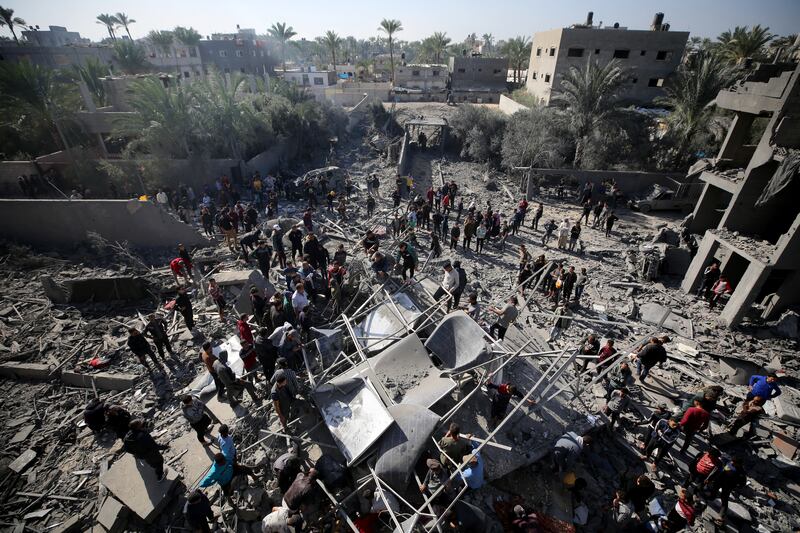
<point>420,18</point>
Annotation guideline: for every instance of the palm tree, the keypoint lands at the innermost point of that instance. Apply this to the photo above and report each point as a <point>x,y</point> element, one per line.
<point>784,47</point>
<point>282,33</point>
<point>589,97</point>
<point>130,56</point>
<point>390,27</point>
<point>226,118</point>
<point>7,18</point>
<point>332,42</point>
<point>439,42</point>
<point>110,22</point>
<point>186,36</point>
<point>91,73</point>
<point>688,94</point>
<point>488,38</point>
<point>125,21</point>
<point>743,43</point>
<point>518,51</point>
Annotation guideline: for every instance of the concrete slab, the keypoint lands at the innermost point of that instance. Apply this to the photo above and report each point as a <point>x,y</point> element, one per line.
<point>112,515</point>
<point>652,313</point>
<point>242,281</point>
<point>95,289</point>
<point>223,411</point>
<point>22,434</point>
<point>135,485</point>
<point>738,371</point>
<point>102,380</point>
<point>786,445</point>
<point>197,459</point>
<point>22,462</point>
<point>25,370</point>
<point>785,410</point>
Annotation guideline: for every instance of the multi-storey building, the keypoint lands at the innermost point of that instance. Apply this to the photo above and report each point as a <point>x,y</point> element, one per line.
<point>478,79</point>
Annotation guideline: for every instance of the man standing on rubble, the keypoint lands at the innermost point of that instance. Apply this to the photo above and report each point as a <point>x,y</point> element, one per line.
<point>563,234</point>
<point>156,329</point>
<point>696,419</point>
<point>296,238</point>
<point>610,219</point>
<point>141,445</point>
<point>448,286</point>
<point>208,358</point>
<point>501,399</point>
<point>282,400</point>
<point>234,386</point>
<point>184,305</point>
<point>651,354</point>
<point>462,282</point>
<point>453,447</point>
<point>140,347</point>
<point>277,245</point>
<point>197,414</point>
<point>710,277</point>
<point>505,317</point>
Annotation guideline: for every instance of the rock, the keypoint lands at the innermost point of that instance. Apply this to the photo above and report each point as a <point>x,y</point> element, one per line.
<point>788,325</point>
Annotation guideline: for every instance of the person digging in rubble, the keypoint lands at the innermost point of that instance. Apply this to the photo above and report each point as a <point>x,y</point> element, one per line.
<point>215,292</point>
<point>500,400</point>
<point>197,414</point>
<point>156,329</point>
<point>197,512</point>
<point>141,348</point>
<point>567,449</point>
<point>282,400</point>
<point>183,253</point>
<point>453,447</point>
<point>750,412</point>
<point>234,387</point>
<point>178,268</point>
<point>651,354</point>
<point>302,496</point>
<point>184,305</point>
<point>94,415</point>
<point>380,266</point>
<point>620,400</point>
<point>695,419</point>
<point>617,379</point>
<point>222,472</point>
<point>248,243</point>
<point>505,317</point>
<point>143,447</point>
<point>663,436</point>
<point>118,419</point>
<point>720,289</point>
<point>436,477</point>
<point>286,467</point>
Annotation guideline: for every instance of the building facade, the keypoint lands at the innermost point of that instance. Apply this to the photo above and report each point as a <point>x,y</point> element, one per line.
<point>55,36</point>
<point>748,214</point>
<point>649,56</point>
<point>426,83</point>
<point>247,56</point>
<point>478,79</point>
<point>180,59</point>
<point>57,57</point>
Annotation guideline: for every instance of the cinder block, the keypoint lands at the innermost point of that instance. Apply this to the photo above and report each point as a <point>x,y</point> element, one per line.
<point>102,380</point>
<point>25,370</point>
<point>112,515</point>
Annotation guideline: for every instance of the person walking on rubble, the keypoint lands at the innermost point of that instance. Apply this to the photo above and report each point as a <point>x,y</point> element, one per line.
<point>222,472</point>
<point>500,400</point>
<point>537,216</point>
<point>549,228</point>
<point>179,268</point>
<point>277,245</point>
<point>710,276</point>
<point>448,286</point>
<point>663,437</point>
<point>143,447</point>
<point>140,347</point>
<point>234,386</point>
<point>563,234</point>
<point>505,317</point>
<point>215,291</point>
<point>156,329</point>
<point>208,358</point>
<point>610,219</point>
<point>620,400</point>
<point>695,420</point>
<point>197,414</point>
<point>184,305</point>
<point>455,233</point>
<point>562,321</point>
<point>651,354</point>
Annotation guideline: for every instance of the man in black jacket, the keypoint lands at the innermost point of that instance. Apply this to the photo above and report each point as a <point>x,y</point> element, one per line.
<point>156,329</point>
<point>462,283</point>
<point>651,354</point>
<point>263,255</point>
<point>198,511</point>
<point>184,305</point>
<point>141,445</point>
<point>141,348</point>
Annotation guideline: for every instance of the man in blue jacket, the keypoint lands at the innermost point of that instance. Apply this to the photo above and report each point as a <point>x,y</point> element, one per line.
<point>764,386</point>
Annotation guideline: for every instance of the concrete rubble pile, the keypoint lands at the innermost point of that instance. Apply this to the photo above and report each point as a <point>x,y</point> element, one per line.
<point>382,376</point>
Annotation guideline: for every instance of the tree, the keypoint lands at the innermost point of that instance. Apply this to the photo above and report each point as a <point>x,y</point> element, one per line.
<point>130,56</point>
<point>439,42</point>
<point>518,51</point>
<point>110,22</point>
<point>37,99</point>
<point>186,36</point>
<point>743,43</point>
<point>589,98</point>
<point>536,138</point>
<point>488,39</point>
<point>390,27</point>
<point>689,94</point>
<point>332,42</point>
<point>125,22</point>
<point>479,130</point>
<point>282,33</point>
<point>91,73</point>
<point>7,18</point>
<point>226,119</point>
<point>784,47</point>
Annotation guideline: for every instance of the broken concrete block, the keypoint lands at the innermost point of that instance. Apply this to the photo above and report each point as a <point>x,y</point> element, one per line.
<point>25,370</point>
<point>738,371</point>
<point>788,325</point>
<point>22,434</point>
<point>95,289</point>
<point>112,515</point>
<point>102,380</point>
<point>242,281</point>
<point>785,410</point>
<point>134,484</point>
<point>22,462</point>
<point>786,445</point>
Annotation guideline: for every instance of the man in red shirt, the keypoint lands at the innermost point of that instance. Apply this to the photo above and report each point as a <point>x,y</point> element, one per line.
<point>702,466</point>
<point>695,419</point>
<point>178,268</point>
<point>245,333</point>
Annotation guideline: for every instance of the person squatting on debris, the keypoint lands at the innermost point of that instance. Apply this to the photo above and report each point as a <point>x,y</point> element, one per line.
<point>567,449</point>
<point>143,447</point>
<point>140,347</point>
<point>197,414</point>
<point>500,400</point>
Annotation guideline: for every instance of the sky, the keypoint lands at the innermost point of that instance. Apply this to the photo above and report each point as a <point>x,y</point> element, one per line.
<point>420,18</point>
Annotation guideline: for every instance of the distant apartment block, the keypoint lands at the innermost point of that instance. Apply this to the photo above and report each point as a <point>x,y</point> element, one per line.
<point>55,36</point>
<point>478,79</point>
<point>237,53</point>
<point>307,77</point>
<point>427,83</point>
<point>649,56</point>
<point>56,57</point>
<point>181,60</point>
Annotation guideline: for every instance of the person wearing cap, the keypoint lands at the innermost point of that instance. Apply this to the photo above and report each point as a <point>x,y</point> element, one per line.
<point>473,471</point>
<point>197,511</point>
<point>505,317</point>
<point>651,354</point>
<point>291,377</point>
<point>619,401</point>
<point>380,265</point>
<point>277,244</point>
<point>436,476</point>
<point>449,284</point>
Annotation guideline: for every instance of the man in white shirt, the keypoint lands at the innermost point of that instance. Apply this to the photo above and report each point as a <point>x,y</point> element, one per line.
<point>299,298</point>
<point>563,233</point>
<point>449,284</point>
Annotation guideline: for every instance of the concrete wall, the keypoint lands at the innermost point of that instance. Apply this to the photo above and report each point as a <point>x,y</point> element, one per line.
<point>65,223</point>
<point>254,59</point>
<point>643,62</point>
<point>350,94</point>
<point>56,57</point>
<point>509,106</point>
<point>630,183</point>
<point>424,77</point>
